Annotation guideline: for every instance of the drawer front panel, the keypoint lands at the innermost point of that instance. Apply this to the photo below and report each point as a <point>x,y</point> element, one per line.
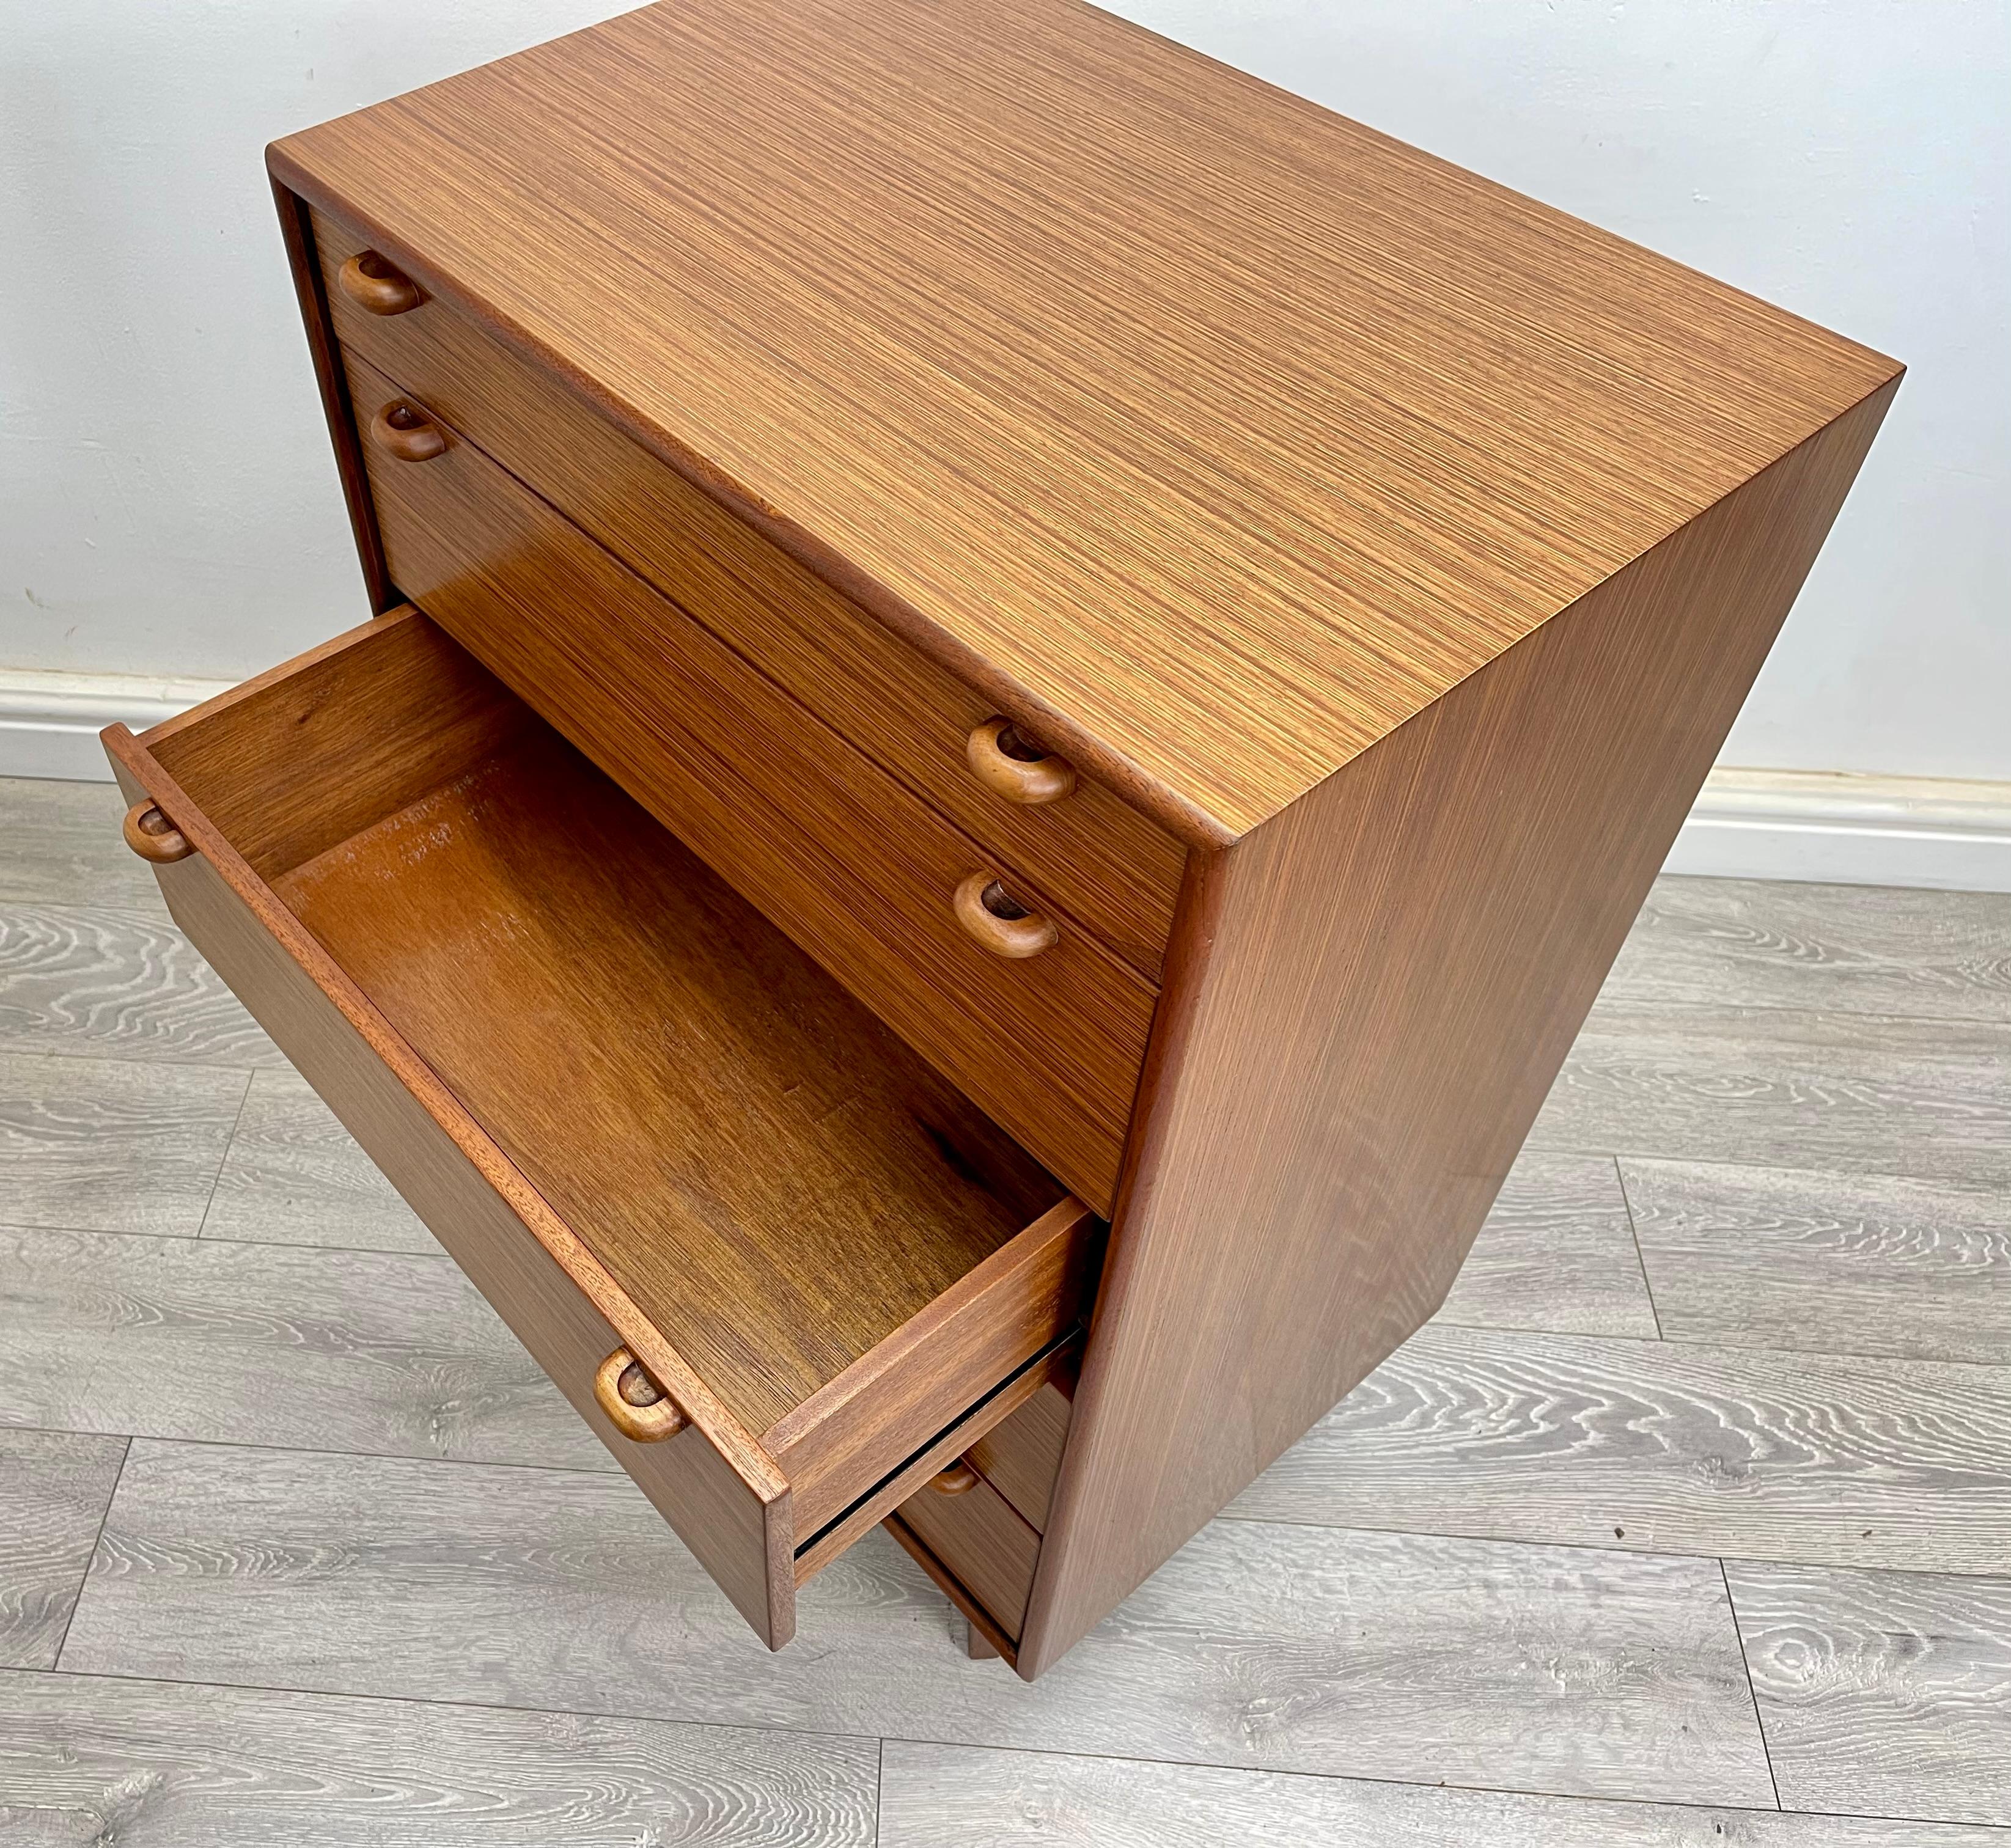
<point>983,1543</point>
<point>1087,854</point>
<point>843,858</point>
<point>726,1525</point>
<point>1021,1456</point>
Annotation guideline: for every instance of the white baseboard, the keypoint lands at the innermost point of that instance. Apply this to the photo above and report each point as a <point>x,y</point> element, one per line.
<point>49,722</point>
<point>1823,826</point>
<point>1839,829</point>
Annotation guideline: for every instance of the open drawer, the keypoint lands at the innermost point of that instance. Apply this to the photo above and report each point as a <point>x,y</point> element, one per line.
<point>785,1270</point>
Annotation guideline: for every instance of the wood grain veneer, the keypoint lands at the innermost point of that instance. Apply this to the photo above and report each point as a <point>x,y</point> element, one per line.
<point>857,870</point>
<point>1454,896</point>
<point>1089,854</point>
<point>1213,435</point>
<point>798,1228</point>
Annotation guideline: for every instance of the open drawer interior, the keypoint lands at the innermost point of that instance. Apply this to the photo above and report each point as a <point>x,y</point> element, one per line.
<point>838,1271</point>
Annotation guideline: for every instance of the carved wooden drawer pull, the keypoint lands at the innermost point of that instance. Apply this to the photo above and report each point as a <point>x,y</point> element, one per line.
<point>998,921</point>
<point>1012,766</point>
<point>153,837</point>
<point>958,1478</point>
<point>636,1404</point>
<point>406,431</point>
<point>371,283</point>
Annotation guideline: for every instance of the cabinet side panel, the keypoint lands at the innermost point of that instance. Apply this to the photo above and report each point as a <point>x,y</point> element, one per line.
<point>296,228</point>
<point>1381,985</point>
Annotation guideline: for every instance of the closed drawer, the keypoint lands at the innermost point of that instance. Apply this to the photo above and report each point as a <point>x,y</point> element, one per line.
<point>977,1539</point>
<point>1088,853</point>
<point>636,1113</point>
<point>1021,1456</point>
<point>850,863</point>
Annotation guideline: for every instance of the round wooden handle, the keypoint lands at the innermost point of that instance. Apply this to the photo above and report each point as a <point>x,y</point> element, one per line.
<point>1009,766</point>
<point>153,837</point>
<point>958,1478</point>
<point>406,431</point>
<point>636,1404</point>
<point>999,921</point>
<point>371,283</point>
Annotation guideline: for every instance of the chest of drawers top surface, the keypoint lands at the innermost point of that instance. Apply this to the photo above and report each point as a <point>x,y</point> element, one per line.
<point>1215,432</point>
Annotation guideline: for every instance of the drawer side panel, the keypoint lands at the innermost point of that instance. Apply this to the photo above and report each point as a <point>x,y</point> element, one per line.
<point>920,1379</point>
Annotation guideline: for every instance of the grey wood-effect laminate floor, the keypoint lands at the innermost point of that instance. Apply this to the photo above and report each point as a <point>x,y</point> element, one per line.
<point>1687,1520</point>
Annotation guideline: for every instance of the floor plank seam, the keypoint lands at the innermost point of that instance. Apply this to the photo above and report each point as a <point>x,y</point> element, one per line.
<point>91,1558</point>
<point>1931,1179</point>
<point>1680,1341</point>
<point>1675,1008</point>
<point>1603,1336</point>
<point>1752,1693</point>
<point>1588,1546</point>
<point>155,918</point>
<point>1442,1321</point>
<point>1358,1777</point>
<point>160,918</point>
<point>55,1055</point>
<point>556,1713</point>
<point>387,1456</point>
<point>223,1160</point>
<point>1640,1256</point>
<point>215,1240</point>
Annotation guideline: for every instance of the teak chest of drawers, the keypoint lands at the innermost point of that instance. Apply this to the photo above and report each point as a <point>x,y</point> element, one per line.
<point>1020,690</point>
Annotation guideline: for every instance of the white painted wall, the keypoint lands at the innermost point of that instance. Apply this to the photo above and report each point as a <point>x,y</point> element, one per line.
<point>168,502</point>
<point>168,508</point>
<point>1848,159</point>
